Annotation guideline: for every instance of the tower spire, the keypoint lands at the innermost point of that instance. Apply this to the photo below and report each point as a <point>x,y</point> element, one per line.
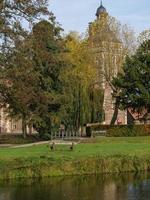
<point>101,9</point>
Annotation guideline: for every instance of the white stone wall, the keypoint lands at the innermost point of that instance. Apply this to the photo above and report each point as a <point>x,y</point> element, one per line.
<point>9,125</point>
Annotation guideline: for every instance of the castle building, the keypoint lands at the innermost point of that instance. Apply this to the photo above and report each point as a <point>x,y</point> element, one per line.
<point>108,54</point>
<point>9,125</point>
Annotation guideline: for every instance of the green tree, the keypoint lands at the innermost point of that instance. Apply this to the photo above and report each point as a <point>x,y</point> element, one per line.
<point>13,15</point>
<point>82,97</point>
<point>133,85</point>
<point>144,36</point>
<point>30,85</point>
<point>48,53</point>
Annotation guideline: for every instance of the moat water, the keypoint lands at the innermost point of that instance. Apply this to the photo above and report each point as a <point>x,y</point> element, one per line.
<point>106,187</point>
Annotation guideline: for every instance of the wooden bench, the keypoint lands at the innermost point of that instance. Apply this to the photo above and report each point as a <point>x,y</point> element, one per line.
<point>53,145</point>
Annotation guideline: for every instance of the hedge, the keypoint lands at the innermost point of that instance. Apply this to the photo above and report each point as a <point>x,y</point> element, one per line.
<point>120,130</point>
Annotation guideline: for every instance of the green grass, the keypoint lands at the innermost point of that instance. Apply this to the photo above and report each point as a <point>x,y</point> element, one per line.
<point>114,149</point>
<point>100,146</point>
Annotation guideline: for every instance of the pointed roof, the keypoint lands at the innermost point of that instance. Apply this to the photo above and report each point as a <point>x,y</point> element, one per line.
<point>101,9</point>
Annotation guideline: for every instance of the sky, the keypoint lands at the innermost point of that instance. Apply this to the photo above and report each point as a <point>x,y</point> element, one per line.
<point>75,15</point>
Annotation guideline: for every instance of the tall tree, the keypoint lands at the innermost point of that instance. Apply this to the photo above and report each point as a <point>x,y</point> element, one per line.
<point>82,97</point>
<point>32,89</point>
<point>16,19</point>
<point>48,55</point>
<point>134,83</point>
<point>125,34</point>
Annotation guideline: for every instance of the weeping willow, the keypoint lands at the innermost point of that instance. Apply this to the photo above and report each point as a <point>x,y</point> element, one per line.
<point>83,97</point>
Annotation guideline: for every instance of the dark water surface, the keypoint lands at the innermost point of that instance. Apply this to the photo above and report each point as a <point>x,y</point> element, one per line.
<point>116,187</point>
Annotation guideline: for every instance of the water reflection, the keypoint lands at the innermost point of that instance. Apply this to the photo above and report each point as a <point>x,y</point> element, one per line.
<point>116,187</point>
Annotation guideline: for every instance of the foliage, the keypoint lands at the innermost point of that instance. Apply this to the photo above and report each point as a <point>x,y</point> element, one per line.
<point>144,36</point>
<point>15,13</point>
<point>124,33</point>
<point>16,68</point>
<point>82,97</point>
<point>46,136</point>
<point>18,139</point>
<point>32,89</point>
<point>127,131</point>
<point>88,131</point>
<point>134,83</point>
<point>48,49</point>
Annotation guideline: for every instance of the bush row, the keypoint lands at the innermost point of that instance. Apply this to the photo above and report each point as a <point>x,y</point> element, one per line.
<point>128,131</point>
<point>121,130</point>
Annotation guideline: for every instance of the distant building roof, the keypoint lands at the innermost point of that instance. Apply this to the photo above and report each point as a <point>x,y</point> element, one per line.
<point>137,115</point>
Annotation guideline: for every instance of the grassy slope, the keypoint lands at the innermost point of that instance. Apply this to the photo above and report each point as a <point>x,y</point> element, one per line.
<point>112,153</point>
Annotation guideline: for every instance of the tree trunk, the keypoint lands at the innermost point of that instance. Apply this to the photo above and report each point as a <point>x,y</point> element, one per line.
<point>30,130</point>
<point>116,110</point>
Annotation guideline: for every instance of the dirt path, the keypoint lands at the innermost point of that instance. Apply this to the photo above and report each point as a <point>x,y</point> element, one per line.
<point>57,142</point>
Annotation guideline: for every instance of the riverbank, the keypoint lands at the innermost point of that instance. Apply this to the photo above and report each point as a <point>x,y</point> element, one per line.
<point>93,156</point>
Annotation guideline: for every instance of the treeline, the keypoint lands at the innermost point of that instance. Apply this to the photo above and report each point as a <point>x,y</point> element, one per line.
<point>45,78</point>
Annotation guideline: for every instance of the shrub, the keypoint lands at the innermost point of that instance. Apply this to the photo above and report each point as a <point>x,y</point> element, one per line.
<point>127,131</point>
<point>88,131</point>
<point>119,130</point>
<point>46,136</point>
<point>18,139</point>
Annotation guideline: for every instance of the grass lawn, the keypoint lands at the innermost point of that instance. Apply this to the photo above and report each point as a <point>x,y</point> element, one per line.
<point>101,147</point>
<point>139,146</point>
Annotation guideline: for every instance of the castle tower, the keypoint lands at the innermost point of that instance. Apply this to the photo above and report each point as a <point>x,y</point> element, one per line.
<point>108,53</point>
